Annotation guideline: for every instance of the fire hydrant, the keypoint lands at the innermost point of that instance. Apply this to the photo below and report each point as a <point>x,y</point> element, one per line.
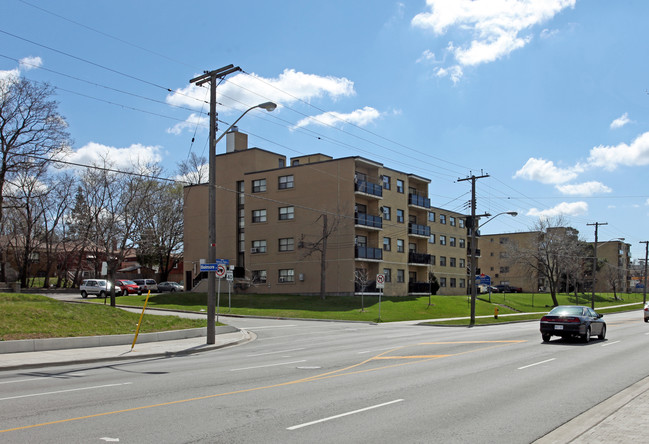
<point>496,313</point>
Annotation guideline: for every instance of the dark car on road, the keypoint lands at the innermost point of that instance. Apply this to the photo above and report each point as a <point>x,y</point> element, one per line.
<point>170,286</point>
<point>508,289</point>
<point>573,321</point>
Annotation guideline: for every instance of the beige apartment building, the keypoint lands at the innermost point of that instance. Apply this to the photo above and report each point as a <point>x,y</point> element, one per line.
<point>274,218</point>
<point>613,258</point>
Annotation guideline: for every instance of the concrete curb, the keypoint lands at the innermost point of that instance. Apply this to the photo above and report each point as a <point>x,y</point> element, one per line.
<point>35,345</point>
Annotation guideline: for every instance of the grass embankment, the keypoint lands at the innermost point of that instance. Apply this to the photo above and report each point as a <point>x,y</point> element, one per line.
<point>27,316</point>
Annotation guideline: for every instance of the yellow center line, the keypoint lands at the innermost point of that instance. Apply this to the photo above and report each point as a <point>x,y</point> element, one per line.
<point>333,374</point>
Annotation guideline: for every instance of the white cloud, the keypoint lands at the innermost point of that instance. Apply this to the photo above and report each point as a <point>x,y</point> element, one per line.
<point>563,209</point>
<point>28,63</point>
<point>454,72</point>
<point>427,56</point>
<point>494,26</point>
<point>9,75</point>
<point>610,157</point>
<point>360,117</point>
<point>190,123</point>
<point>242,91</point>
<point>548,33</point>
<point>545,171</point>
<point>584,189</point>
<point>127,158</point>
<point>620,121</point>
<point>647,202</point>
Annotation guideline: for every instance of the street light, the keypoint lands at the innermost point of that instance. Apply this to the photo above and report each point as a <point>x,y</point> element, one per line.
<point>211,219</point>
<point>619,239</point>
<point>474,228</point>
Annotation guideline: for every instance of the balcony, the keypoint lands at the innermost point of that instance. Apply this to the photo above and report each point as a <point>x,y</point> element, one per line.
<point>418,230</point>
<point>369,253</point>
<point>477,252</point>
<point>419,287</point>
<point>418,201</point>
<point>367,220</point>
<point>420,258</point>
<point>369,188</point>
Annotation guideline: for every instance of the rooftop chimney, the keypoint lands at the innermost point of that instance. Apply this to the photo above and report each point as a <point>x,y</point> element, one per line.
<point>236,141</point>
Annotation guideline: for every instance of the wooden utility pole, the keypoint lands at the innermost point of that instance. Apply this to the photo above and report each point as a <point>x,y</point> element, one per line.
<point>646,254</point>
<point>323,257</point>
<point>596,224</point>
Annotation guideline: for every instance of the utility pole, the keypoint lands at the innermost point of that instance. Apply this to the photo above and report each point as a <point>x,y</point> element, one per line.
<point>323,257</point>
<point>474,228</point>
<point>646,254</point>
<point>596,224</point>
<point>211,78</point>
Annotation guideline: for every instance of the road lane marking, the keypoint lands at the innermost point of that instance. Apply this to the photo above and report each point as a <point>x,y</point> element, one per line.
<point>378,349</point>
<point>64,391</point>
<point>536,363</point>
<point>610,343</point>
<point>271,326</point>
<point>276,352</point>
<point>267,365</point>
<point>306,424</point>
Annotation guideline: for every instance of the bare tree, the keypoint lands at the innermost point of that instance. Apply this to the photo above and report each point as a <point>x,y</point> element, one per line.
<point>31,132</point>
<point>194,170</point>
<point>612,275</point>
<point>320,246</point>
<point>361,281</point>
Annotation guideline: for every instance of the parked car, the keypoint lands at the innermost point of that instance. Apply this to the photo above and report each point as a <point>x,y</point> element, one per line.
<point>573,321</point>
<point>99,287</point>
<point>508,289</point>
<point>170,286</point>
<point>147,285</point>
<point>127,287</point>
<point>646,312</point>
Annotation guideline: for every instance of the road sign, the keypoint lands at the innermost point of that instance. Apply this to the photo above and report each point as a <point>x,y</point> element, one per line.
<point>220,271</point>
<point>215,265</point>
<point>483,279</point>
<point>229,276</point>
<point>380,281</point>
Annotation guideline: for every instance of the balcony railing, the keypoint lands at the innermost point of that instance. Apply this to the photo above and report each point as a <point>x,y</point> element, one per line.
<point>418,230</point>
<point>477,252</point>
<point>363,186</point>
<point>418,287</point>
<point>369,253</point>
<point>420,258</point>
<point>420,201</point>
<point>368,220</point>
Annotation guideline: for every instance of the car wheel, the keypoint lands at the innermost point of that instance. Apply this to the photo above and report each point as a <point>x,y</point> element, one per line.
<point>102,294</point>
<point>646,319</point>
<point>85,295</point>
<point>546,337</point>
<point>173,290</point>
<point>586,337</point>
<point>602,335</point>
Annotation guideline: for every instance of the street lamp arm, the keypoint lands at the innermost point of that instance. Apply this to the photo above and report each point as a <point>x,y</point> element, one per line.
<point>268,106</point>
<point>511,213</point>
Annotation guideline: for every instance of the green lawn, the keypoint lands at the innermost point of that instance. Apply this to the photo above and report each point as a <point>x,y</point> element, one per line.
<point>27,316</point>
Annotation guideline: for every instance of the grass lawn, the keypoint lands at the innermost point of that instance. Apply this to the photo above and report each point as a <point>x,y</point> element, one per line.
<point>27,316</point>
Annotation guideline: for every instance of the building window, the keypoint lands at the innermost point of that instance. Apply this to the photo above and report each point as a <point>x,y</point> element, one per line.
<point>400,217</point>
<point>386,213</point>
<point>286,244</point>
<point>259,186</point>
<point>462,263</point>
<point>462,243</point>
<point>432,259</point>
<point>412,248</point>
<point>442,219</point>
<point>259,276</point>
<point>453,283</point>
<point>285,182</point>
<point>259,216</point>
<point>504,269</point>
<point>386,182</point>
<point>258,246</point>
<point>503,240</point>
<point>452,262</point>
<point>401,276</point>
<point>361,241</point>
<point>400,246</point>
<point>442,239</point>
<point>386,244</point>
<point>387,272</point>
<point>442,261</point>
<point>461,222</point>
<point>286,213</point>
<point>286,275</point>
<point>431,216</point>
<point>451,241</point>
<point>431,239</point>
<point>451,221</point>
<point>442,282</point>
<point>462,283</point>
<point>399,186</point>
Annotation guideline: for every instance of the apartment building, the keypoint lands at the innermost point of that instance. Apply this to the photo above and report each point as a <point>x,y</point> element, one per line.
<point>613,259</point>
<point>274,218</point>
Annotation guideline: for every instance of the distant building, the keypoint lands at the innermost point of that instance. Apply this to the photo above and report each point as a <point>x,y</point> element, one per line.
<point>270,225</point>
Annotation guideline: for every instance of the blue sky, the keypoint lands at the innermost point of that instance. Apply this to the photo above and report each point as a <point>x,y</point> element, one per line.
<point>547,97</point>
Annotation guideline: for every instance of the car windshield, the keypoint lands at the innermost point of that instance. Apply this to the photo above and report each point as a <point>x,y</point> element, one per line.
<point>128,283</point>
<point>561,311</point>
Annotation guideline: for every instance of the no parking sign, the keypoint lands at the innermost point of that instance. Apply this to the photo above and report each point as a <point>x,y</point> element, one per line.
<point>380,281</point>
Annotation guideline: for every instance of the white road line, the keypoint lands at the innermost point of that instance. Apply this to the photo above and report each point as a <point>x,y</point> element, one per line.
<point>268,365</point>
<point>536,363</point>
<point>306,424</point>
<point>65,391</point>
<point>610,343</point>
<point>270,326</point>
<point>275,352</point>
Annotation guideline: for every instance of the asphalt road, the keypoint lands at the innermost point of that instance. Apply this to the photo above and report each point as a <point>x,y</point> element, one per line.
<point>310,381</point>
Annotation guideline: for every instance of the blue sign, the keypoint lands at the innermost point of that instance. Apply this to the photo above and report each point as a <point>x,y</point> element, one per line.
<point>215,265</point>
<point>483,279</point>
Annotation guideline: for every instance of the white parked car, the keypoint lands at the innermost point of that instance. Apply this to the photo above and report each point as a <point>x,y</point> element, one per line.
<point>99,287</point>
<point>646,312</point>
